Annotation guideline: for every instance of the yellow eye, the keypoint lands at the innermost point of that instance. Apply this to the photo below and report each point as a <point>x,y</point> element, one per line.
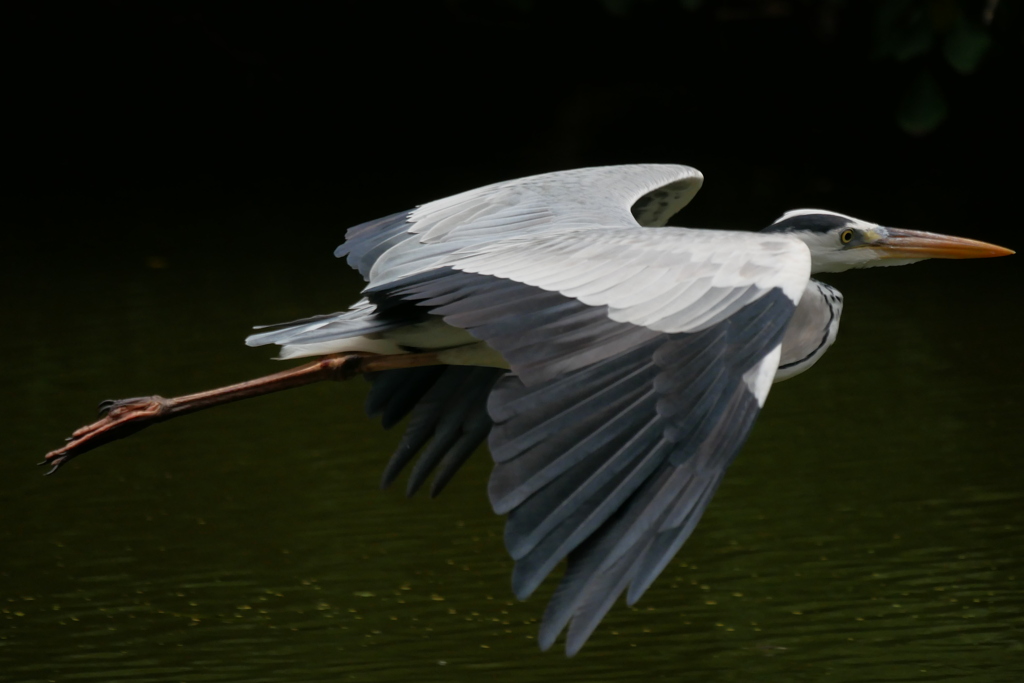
<point>846,237</point>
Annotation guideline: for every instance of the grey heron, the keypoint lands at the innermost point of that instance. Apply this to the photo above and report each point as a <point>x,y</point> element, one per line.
<point>614,366</point>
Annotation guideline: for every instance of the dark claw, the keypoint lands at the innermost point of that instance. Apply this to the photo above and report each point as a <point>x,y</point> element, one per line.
<point>55,465</point>
<point>138,413</point>
<point>106,406</point>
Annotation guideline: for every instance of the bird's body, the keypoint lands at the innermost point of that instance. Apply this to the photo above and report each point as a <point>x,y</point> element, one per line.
<point>614,366</point>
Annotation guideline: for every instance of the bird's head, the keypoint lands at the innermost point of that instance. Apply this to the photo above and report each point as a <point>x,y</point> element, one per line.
<point>838,242</point>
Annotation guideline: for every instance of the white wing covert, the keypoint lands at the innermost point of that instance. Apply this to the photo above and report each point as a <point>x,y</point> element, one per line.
<point>393,247</point>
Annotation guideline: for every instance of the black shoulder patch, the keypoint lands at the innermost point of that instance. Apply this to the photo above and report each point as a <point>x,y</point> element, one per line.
<point>811,222</point>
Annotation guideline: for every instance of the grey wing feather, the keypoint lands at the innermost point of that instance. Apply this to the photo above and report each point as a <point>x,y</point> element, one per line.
<point>362,318</point>
<point>693,278</point>
<point>640,359</point>
<point>448,418</point>
<point>578,442</point>
<point>465,402</point>
<point>364,243</point>
<point>393,393</point>
<point>393,247</point>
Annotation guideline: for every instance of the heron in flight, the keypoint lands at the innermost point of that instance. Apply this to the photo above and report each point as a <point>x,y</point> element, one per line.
<point>614,366</point>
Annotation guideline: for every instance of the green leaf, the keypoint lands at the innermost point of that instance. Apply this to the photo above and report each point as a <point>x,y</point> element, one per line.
<point>902,30</point>
<point>923,107</point>
<point>915,40</point>
<point>965,46</point>
<point>618,8</point>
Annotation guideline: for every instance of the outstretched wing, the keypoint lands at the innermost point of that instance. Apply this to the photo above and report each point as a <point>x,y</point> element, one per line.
<point>391,248</point>
<point>639,361</point>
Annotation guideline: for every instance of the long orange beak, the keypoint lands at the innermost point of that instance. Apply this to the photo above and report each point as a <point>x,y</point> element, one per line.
<point>912,244</point>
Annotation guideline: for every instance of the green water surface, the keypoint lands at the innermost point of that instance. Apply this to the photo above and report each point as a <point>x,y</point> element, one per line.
<point>872,529</point>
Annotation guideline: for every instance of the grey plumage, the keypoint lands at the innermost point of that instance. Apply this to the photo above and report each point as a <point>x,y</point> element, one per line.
<point>448,410</point>
<point>631,363</point>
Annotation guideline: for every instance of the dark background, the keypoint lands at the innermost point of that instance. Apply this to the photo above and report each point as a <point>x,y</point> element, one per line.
<point>207,131</point>
<point>174,173</point>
